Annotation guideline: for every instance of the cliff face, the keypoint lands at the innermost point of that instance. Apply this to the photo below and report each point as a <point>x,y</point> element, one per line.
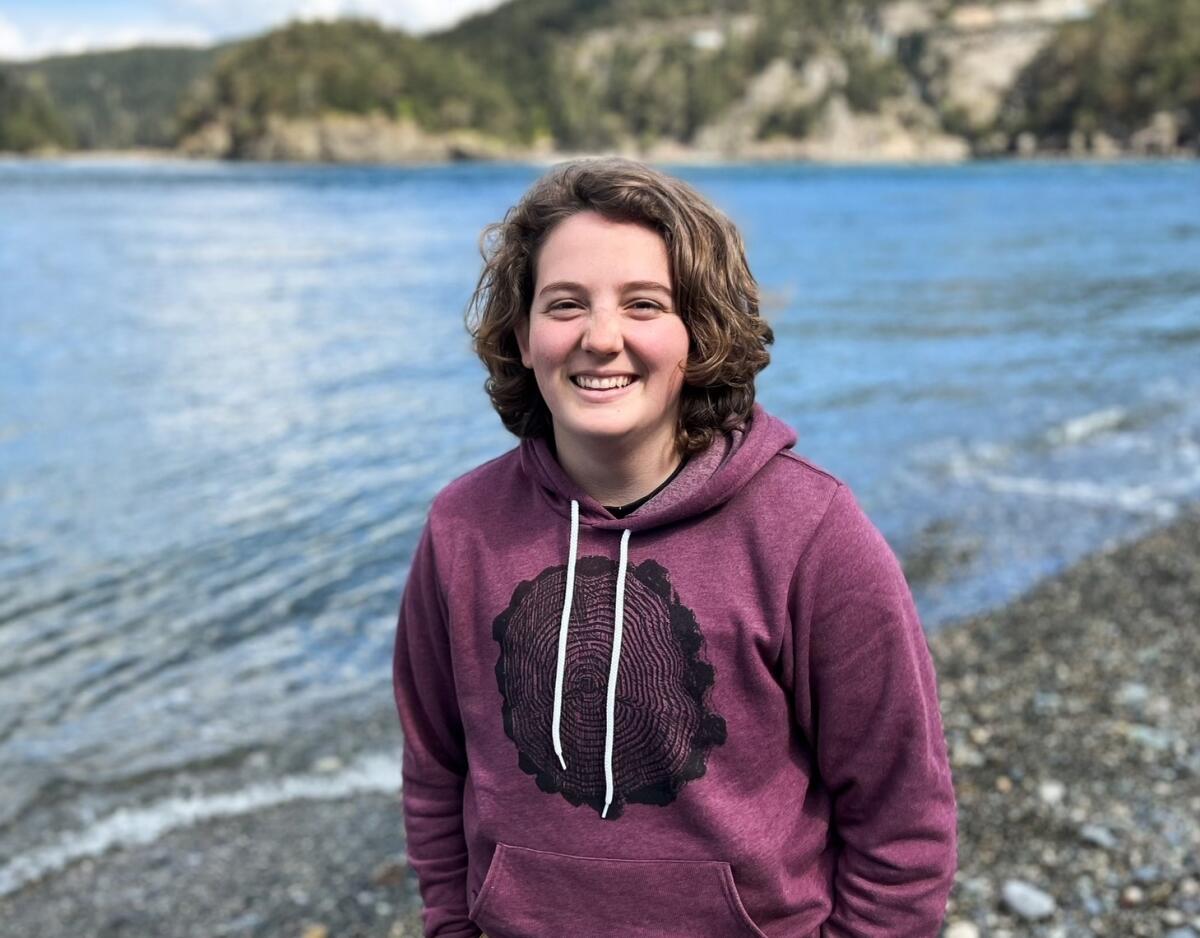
<point>968,60</point>
<point>957,66</point>
<point>347,138</point>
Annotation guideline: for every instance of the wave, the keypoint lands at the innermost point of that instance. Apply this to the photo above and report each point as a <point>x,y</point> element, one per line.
<point>1078,429</point>
<point>370,773</point>
<point>1146,499</point>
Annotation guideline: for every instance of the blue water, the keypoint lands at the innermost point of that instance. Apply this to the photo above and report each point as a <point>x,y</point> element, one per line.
<point>227,394</point>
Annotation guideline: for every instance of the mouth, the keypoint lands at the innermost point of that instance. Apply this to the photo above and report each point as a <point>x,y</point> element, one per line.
<point>603,382</point>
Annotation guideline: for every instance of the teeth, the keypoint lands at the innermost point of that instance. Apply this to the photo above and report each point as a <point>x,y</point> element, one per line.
<point>602,384</point>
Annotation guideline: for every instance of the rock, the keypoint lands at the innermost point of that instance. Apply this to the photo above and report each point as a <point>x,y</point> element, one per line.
<point>964,754</point>
<point>1158,138</point>
<point>1151,737</point>
<point>1097,836</point>
<point>969,62</point>
<point>995,143</point>
<point>347,138</point>
<point>316,930</point>
<point>1104,146</point>
<point>961,930</point>
<point>1027,901</point>
<point>1052,791</point>
<point>1181,933</point>
<point>1132,896</point>
<point>904,17</point>
<point>212,141</point>
<point>1026,144</point>
<point>390,873</point>
<point>1132,694</point>
<point>902,130</point>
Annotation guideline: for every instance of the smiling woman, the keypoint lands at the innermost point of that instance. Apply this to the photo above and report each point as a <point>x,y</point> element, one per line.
<point>727,725</point>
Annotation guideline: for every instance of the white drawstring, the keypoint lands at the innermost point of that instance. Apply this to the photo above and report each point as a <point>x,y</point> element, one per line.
<point>610,709</point>
<point>614,660</point>
<point>562,635</point>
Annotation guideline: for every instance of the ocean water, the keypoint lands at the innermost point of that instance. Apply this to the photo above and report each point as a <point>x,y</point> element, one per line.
<point>228,393</point>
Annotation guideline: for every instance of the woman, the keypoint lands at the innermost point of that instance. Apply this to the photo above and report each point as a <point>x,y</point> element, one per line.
<point>657,674</point>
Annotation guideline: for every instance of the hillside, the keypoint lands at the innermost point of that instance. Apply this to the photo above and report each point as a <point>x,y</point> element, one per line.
<point>28,118</point>
<point>634,72</point>
<point>750,79</point>
<point>115,100</point>
<point>265,98</point>
<point>632,75</point>
<point>1131,73</point>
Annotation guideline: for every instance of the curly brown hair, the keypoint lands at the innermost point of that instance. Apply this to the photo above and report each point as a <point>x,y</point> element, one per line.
<point>714,292</point>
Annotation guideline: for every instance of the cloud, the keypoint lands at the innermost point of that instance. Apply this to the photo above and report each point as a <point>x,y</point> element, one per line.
<point>412,15</point>
<point>202,22</point>
<point>12,43</point>
<point>57,39</point>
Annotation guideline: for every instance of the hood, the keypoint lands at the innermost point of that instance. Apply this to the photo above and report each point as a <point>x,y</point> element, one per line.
<point>709,479</point>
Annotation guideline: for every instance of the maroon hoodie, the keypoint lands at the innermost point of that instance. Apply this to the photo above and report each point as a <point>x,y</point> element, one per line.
<point>714,717</point>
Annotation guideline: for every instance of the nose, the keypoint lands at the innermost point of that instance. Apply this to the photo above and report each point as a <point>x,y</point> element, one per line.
<point>603,333</point>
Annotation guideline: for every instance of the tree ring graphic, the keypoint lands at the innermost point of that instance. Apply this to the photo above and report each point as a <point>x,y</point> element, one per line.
<point>663,728</point>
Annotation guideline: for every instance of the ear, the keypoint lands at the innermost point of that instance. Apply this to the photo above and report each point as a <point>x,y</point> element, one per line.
<point>522,334</point>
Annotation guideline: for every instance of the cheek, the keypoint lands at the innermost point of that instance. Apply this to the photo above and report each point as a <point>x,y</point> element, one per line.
<point>548,347</point>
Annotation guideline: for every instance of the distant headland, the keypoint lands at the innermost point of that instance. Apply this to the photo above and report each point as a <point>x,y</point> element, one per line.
<point>665,80</point>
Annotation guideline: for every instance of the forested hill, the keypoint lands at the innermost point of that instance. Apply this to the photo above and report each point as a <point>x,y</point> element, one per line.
<point>839,79</point>
<point>115,100</point>
<point>28,118</point>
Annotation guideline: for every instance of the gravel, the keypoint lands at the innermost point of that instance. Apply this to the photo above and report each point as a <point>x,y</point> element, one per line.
<point>1072,718</point>
<point>1073,722</point>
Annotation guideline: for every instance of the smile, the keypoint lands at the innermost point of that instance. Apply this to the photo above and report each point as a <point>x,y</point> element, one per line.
<point>595,383</point>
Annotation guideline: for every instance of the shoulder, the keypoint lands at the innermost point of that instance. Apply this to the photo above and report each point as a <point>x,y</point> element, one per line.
<point>803,489</point>
<point>472,491</point>
<point>835,530</point>
<point>799,468</point>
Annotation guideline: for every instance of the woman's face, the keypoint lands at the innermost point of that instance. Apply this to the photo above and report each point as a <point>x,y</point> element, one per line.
<point>604,341</point>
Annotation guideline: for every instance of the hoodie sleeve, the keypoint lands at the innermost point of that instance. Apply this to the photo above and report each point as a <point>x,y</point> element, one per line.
<point>870,707</point>
<point>435,761</point>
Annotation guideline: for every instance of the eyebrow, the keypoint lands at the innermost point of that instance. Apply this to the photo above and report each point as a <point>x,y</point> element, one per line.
<point>625,287</point>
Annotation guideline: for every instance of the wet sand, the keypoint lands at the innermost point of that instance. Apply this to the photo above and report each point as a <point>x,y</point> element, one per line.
<point>1073,720</point>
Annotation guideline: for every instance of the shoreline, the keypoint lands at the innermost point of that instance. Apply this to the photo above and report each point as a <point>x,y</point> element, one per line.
<point>1072,716</point>
<point>674,157</point>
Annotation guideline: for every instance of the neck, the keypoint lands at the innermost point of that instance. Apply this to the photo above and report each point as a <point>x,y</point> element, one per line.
<point>616,473</point>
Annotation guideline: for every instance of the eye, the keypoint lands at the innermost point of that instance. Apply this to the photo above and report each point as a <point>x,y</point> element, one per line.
<point>646,309</point>
<point>564,306</point>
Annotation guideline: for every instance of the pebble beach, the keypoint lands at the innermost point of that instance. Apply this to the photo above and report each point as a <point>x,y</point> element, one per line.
<point>1073,720</point>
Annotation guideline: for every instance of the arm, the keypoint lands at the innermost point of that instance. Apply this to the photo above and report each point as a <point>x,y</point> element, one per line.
<point>870,707</point>
<point>435,760</point>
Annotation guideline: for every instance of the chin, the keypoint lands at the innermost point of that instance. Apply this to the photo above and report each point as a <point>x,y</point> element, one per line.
<point>601,431</point>
<point>605,428</point>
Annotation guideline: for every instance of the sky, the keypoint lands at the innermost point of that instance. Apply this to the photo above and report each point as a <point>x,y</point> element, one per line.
<point>33,28</point>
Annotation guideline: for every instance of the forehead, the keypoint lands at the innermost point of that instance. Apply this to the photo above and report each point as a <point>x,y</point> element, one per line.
<point>589,246</point>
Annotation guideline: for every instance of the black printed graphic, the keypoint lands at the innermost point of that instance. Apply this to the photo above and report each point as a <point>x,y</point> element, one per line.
<point>663,729</point>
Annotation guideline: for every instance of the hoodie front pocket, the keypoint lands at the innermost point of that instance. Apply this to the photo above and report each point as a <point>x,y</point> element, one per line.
<point>536,894</point>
